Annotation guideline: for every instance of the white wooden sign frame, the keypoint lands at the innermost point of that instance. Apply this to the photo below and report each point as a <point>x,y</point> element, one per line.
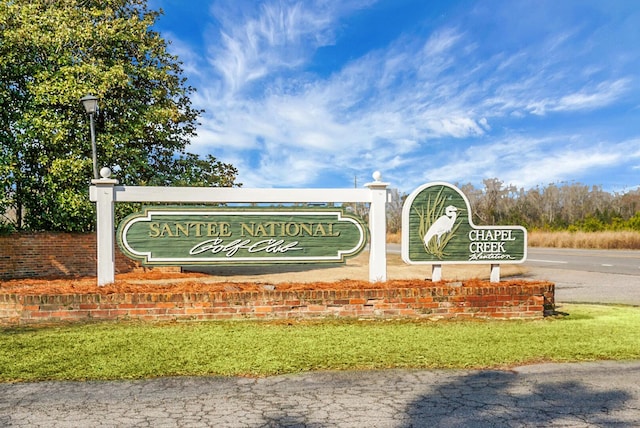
<point>105,193</point>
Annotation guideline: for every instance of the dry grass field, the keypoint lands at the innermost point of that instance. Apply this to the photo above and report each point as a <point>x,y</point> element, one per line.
<point>613,240</point>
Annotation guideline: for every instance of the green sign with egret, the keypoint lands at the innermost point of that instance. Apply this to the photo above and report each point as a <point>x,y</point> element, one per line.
<point>437,228</point>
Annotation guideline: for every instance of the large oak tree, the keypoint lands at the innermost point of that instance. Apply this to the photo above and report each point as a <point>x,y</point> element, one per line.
<point>53,52</point>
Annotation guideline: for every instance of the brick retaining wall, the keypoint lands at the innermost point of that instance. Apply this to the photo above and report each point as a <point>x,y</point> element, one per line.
<point>435,302</point>
<point>42,254</point>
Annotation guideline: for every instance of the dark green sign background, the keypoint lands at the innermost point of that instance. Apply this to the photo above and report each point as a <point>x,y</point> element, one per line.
<point>196,236</point>
<point>439,214</point>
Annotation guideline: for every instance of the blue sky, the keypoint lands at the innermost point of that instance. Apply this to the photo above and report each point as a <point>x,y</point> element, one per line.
<point>321,93</point>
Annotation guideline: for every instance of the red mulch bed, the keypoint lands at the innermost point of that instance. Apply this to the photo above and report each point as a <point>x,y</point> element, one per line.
<point>163,282</point>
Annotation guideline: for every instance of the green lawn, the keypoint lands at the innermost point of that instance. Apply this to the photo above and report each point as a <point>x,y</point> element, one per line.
<point>261,348</point>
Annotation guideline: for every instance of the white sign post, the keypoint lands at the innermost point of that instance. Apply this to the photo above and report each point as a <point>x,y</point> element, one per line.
<point>102,192</point>
<point>105,193</point>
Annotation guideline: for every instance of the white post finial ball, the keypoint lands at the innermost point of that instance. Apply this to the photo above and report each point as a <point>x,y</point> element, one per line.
<point>377,176</point>
<point>105,172</point>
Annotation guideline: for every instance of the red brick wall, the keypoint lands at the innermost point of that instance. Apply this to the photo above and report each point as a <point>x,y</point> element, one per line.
<point>495,301</point>
<point>29,255</point>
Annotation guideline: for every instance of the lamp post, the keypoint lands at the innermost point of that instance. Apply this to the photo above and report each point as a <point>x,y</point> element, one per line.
<point>90,104</point>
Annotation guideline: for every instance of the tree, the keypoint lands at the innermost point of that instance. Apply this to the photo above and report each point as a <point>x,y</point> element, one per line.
<point>53,52</point>
<point>394,210</point>
<point>191,170</point>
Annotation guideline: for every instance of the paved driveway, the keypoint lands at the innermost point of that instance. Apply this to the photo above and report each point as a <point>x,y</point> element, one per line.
<point>604,394</point>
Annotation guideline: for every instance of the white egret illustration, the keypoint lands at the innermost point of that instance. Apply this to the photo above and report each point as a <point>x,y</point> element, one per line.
<point>442,225</point>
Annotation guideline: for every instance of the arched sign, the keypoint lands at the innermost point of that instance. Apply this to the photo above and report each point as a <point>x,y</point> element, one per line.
<point>437,228</point>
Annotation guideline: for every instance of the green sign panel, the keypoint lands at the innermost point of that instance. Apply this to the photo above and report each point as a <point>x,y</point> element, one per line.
<point>437,229</point>
<point>197,236</point>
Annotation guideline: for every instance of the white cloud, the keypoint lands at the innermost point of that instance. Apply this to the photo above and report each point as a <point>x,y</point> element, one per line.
<point>525,162</point>
<point>588,98</point>
<point>604,94</point>
<point>457,127</point>
<point>441,42</point>
<point>254,42</point>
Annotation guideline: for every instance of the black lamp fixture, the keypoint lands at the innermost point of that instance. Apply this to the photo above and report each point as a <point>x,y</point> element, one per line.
<point>90,103</point>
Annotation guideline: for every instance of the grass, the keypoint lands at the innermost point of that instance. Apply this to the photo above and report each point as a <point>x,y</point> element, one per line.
<point>252,348</point>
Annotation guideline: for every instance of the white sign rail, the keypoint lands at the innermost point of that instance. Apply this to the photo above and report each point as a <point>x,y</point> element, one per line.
<point>105,193</point>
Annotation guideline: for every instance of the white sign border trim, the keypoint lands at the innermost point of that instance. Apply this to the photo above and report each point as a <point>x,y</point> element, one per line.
<point>218,260</point>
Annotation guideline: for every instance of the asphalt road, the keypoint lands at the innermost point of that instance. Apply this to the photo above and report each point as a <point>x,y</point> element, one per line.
<point>583,276</point>
<point>598,394</point>
<point>588,276</point>
<point>617,262</point>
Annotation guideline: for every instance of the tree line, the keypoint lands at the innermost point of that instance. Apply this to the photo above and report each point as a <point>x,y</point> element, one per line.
<point>557,206</point>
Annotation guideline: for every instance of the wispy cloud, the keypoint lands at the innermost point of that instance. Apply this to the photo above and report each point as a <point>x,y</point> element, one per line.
<point>525,162</point>
<point>603,94</point>
<point>255,42</point>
